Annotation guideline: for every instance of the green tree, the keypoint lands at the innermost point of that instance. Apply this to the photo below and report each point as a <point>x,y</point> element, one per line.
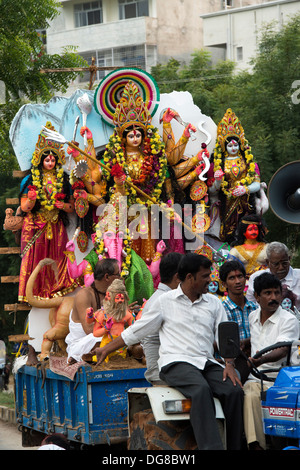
<point>208,84</point>
<point>22,56</point>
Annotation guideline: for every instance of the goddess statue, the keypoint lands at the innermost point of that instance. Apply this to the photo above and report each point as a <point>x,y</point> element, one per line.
<point>237,176</point>
<point>134,160</point>
<point>46,199</point>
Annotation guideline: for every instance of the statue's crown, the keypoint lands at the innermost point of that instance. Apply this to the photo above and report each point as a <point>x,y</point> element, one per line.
<point>131,110</point>
<point>45,144</point>
<point>230,126</point>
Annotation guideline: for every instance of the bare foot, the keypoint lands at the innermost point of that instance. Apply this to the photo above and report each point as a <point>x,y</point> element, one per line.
<point>71,361</point>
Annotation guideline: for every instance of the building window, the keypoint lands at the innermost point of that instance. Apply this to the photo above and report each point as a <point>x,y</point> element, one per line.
<point>239,53</point>
<point>133,8</point>
<point>141,55</point>
<point>88,13</point>
<point>228,4</point>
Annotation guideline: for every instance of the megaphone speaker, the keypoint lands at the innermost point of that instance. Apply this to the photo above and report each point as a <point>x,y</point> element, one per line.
<point>284,193</point>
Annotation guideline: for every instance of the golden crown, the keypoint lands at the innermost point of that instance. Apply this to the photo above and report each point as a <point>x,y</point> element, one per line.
<point>230,126</point>
<point>45,144</point>
<point>131,110</point>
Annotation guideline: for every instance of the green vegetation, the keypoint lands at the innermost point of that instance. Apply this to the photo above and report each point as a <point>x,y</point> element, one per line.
<point>7,399</point>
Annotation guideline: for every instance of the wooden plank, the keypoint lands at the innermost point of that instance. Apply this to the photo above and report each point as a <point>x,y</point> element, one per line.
<point>10,250</point>
<point>19,173</point>
<point>16,307</point>
<point>19,338</point>
<point>12,201</point>
<point>9,279</point>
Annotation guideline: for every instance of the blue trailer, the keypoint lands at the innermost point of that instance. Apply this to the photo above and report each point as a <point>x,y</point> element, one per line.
<point>92,409</point>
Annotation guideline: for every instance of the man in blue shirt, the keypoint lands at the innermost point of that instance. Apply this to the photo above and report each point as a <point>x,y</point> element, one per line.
<point>237,306</point>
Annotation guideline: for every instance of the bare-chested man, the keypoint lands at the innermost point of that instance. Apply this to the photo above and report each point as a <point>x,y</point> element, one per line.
<point>80,339</point>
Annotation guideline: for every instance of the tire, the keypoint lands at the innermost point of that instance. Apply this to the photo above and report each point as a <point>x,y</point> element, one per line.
<point>146,434</point>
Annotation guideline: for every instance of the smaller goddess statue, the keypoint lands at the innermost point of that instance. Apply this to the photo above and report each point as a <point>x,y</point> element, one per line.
<point>237,176</point>
<point>46,200</point>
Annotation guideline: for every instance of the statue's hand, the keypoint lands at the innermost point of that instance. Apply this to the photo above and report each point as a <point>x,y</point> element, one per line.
<point>32,194</point>
<point>199,168</point>
<point>80,193</point>
<point>161,246</point>
<point>218,175</point>
<point>239,191</point>
<point>70,246</point>
<point>89,312</point>
<point>169,115</point>
<point>187,130</point>
<point>86,130</point>
<point>73,152</point>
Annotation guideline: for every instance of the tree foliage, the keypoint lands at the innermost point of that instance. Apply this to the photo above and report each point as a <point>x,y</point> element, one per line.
<point>22,54</point>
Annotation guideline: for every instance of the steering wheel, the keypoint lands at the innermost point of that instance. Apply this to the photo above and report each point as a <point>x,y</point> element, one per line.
<point>262,375</point>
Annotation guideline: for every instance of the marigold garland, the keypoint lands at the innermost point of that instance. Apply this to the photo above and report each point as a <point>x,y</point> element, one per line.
<point>57,181</point>
<point>100,250</point>
<point>153,170</point>
<point>247,180</point>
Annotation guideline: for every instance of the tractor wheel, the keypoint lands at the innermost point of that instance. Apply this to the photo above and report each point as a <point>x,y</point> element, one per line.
<point>146,434</point>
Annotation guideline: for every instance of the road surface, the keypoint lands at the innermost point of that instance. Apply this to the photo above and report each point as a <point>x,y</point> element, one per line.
<point>11,438</point>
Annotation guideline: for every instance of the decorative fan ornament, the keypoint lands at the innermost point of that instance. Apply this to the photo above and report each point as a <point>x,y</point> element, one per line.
<point>110,90</point>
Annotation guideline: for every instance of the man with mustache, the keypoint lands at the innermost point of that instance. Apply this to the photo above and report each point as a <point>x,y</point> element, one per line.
<point>269,324</point>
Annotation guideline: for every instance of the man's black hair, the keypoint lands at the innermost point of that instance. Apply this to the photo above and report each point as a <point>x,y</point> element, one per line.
<point>169,266</point>
<point>105,266</point>
<point>266,281</point>
<point>229,266</point>
<point>57,439</point>
<point>191,263</point>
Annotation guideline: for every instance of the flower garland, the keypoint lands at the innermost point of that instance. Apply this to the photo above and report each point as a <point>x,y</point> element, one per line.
<point>153,169</point>
<point>38,185</point>
<point>251,173</point>
<point>100,250</point>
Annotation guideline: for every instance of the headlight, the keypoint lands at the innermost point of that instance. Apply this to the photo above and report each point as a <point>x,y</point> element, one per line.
<point>177,406</point>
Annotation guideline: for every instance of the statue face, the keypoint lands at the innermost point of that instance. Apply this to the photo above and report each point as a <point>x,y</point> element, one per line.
<point>286,303</point>
<point>213,287</point>
<point>49,162</point>
<point>252,232</point>
<point>134,138</point>
<point>232,148</point>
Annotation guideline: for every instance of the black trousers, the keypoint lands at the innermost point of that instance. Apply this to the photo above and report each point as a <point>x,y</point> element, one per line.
<point>201,386</point>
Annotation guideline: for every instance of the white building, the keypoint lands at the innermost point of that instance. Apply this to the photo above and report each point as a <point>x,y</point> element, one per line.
<point>134,32</point>
<point>234,33</point>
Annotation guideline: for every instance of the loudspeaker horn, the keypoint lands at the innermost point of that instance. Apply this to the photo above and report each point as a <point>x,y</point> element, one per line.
<point>284,193</point>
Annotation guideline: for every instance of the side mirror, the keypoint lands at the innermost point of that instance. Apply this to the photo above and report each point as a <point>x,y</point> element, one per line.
<point>229,339</point>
